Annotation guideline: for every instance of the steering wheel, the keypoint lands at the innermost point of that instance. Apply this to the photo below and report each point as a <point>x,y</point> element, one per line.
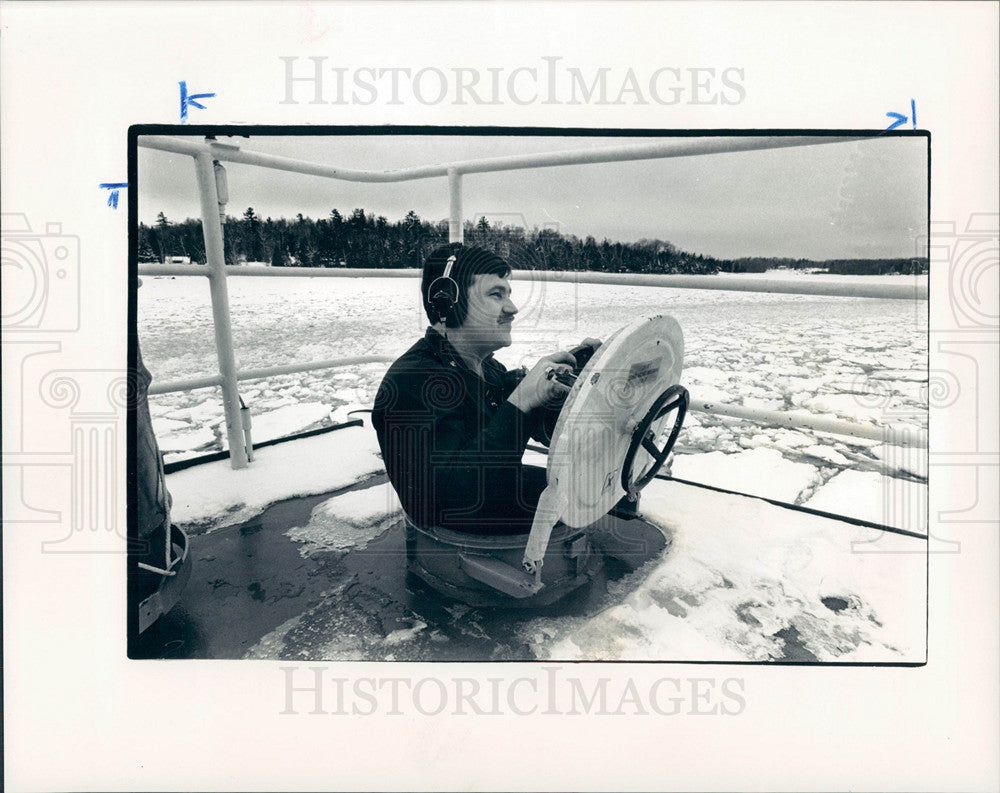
<point>674,398</point>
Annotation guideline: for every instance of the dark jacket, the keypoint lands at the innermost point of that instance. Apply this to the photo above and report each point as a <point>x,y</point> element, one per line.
<point>153,498</point>
<point>452,443</point>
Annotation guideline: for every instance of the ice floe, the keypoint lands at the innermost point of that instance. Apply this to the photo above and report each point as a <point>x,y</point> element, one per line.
<point>349,520</point>
<point>759,472</point>
<point>885,500</point>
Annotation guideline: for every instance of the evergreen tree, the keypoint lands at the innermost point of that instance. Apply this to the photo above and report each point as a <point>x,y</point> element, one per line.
<point>162,236</point>
<point>365,239</point>
<point>146,253</point>
<point>254,236</point>
<point>278,256</point>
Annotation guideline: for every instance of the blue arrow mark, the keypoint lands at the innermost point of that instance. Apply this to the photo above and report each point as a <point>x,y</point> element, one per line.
<point>114,187</point>
<point>190,99</point>
<point>900,119</point>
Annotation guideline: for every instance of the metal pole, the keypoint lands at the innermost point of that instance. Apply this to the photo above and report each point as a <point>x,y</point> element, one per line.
<point>188,384</point>
<point>656,149</point>
<point>894,435</point>
<point>280,272</point>
<point>212,230</point>
<point>455,231</point>
<point>191,383</point>
<point>908,288</point>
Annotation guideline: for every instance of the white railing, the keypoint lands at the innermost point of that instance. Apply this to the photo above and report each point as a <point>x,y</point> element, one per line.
<point>727,283</point>
<point>269,371</point>
<point>213,188</point>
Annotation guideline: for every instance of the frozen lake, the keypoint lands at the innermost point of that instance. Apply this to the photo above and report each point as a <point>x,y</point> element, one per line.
<point>850,358</point>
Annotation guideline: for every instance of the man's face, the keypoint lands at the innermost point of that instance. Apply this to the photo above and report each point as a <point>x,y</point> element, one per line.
<point>491,313</point>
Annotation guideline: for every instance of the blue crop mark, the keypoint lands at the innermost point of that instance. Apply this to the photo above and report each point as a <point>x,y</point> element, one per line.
<point>902,119</point>
<point>114,187</point>
<point>190,99</point>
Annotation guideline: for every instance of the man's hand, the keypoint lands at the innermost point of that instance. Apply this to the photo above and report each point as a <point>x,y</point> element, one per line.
<point>583,352</point>
<point>536,389</point>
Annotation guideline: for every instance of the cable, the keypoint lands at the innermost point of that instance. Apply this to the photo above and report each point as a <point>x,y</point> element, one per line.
<point>180,465</point>
<point>783,504</point>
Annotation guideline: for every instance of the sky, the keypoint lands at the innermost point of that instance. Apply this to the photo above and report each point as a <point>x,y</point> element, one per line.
<point>858,199</point>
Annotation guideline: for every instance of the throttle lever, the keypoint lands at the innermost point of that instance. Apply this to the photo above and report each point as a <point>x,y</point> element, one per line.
<point>561,376</point>
<point>582,353</point>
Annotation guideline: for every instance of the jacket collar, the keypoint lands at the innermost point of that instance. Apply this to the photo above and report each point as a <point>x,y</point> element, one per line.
<point>445,352</point>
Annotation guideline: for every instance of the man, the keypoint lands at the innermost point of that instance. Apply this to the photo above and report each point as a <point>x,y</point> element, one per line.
<point>452,422</point>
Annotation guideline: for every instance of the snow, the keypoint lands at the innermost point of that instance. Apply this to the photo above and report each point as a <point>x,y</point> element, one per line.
<point>287,420</point>
<point>826,453</point>
<point>348,521</point>
<point>707,393</point>
<point>845,406</point>
<point>363,507</point>
<point>906,459</point>
<point>402,635</point>
<point>174,435</point>
<point>347,412</point>
<point>759,472</point>
<point>790,439</point>
<point>740,571</point>
<point>881,499</point>
<point>164,427</point>
<point>213,495</point>
<point>207,413</point>
<point>188,440</point>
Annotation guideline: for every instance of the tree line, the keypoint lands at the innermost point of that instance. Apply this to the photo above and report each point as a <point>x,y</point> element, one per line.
<point>370,241</point>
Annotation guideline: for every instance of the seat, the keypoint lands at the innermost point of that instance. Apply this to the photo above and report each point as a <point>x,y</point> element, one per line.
<point>486,570</point>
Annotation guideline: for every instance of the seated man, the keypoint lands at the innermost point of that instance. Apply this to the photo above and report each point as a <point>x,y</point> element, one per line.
<point>452,422</point>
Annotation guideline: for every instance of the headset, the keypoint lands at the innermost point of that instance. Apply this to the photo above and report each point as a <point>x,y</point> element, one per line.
<point>443,295</point>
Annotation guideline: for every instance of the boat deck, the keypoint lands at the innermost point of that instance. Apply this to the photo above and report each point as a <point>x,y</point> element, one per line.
<point>302,556</point>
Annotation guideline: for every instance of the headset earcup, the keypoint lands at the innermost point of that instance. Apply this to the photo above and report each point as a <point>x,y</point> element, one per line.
<point>443,299</point>
<point>450,313</point>
<point>442,305</point>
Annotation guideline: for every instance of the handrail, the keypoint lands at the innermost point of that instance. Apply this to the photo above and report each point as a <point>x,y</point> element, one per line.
<point>911,290</point>
<point>212,192</point>
<point>660,149</point>
<point>268,371</point>
<point>280,272</point>
<point>899,435</point>
<point>894,435</point>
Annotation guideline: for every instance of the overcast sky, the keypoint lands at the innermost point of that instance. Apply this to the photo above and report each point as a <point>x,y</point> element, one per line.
<point>857,199</point>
